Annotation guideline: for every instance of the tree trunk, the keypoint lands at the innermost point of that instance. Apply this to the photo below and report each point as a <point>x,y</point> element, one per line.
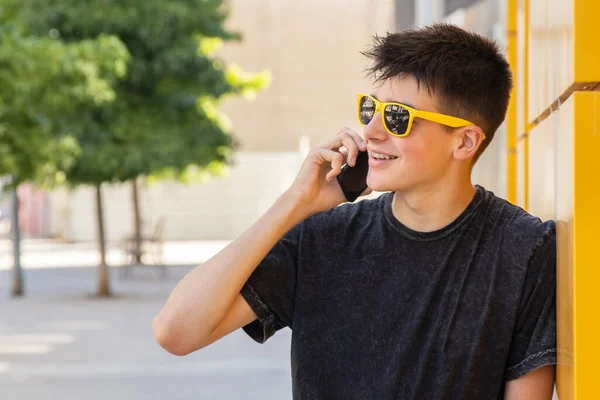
<point>103,286</point>
<point>17,283</point>
<point>137,222</point>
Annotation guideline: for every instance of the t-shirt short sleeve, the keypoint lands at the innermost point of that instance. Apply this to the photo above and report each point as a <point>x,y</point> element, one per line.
<point>534,340</point>
<point>271,289</point>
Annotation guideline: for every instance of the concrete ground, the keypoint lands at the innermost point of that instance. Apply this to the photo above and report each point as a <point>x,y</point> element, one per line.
<point>60,342</point>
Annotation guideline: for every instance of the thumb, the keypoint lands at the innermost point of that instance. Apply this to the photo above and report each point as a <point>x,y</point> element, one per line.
<point>367,192</point>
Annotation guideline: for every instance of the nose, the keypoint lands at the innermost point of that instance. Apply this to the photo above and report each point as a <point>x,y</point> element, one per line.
<point>374,130</point>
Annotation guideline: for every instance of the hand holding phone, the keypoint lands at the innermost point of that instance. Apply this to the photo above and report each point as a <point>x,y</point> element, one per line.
<point>353,180</point>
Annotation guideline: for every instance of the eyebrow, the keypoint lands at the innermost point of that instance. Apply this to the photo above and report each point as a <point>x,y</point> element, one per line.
<point>392,101</point>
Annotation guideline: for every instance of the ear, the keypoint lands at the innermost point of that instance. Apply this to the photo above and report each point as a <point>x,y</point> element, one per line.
<point>467,141</point>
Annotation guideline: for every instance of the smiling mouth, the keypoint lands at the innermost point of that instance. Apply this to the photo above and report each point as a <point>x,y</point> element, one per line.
<point>379,156</point>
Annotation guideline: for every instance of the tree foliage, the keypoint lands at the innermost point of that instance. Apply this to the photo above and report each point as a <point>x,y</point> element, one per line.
<point>164,115</point>
<point>44,84</point>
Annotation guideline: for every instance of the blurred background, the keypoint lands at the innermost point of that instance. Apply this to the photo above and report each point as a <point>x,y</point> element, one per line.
<point>138,137</point>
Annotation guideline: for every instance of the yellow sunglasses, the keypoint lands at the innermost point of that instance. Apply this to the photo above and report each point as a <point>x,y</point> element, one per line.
<point>398,118</point>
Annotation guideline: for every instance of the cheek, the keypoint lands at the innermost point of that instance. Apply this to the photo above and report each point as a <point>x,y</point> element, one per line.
<point>421,155</point>
<point>412,150</point>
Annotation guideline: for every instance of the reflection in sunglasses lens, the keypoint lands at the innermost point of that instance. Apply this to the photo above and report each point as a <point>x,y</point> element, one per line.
<point>395,116</point>
<point>396,119</point>
<point>367,110</point>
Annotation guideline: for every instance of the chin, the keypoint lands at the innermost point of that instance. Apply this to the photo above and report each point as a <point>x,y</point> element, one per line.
<point>378,184</point>
<point>386,183</point>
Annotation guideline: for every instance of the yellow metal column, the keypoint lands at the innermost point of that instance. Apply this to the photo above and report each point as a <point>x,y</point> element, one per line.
<point>511,116</point>
<point>586,240</point>
<point>562,172</point>
<point>525,128</point>
<point>586,209</point>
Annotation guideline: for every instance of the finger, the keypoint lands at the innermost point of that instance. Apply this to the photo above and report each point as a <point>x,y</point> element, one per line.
<point>366,192</point>
<point>337,162</point>
<point>349,142</point>
<point>334,158</point>
<point>338,140</point>
<point>321,157</point>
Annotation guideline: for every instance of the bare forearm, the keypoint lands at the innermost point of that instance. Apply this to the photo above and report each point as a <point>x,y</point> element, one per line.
<point>203,308</point>
<point>201,300</point>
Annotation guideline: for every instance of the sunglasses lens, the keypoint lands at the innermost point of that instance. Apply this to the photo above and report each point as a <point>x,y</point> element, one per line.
<point>396,119</point>
<point>366,110</point>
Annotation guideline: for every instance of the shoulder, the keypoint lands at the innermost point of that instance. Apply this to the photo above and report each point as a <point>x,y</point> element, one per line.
<point>331,233</point>
<point>340,224</point>
<point>347,221</point>
<point>350,213</point>
<point>517,227</point>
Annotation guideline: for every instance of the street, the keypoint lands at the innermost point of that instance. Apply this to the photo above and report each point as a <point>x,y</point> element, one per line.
<point>61,342</point>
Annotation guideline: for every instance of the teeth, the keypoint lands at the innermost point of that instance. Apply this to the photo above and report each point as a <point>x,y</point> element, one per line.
<point>382,156</point>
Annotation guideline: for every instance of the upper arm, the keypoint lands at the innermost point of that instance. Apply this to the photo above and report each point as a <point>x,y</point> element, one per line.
<point>536,385</point>
<point>240,314</point>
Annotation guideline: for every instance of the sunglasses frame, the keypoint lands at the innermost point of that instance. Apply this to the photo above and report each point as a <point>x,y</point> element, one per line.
<point>443,119</point>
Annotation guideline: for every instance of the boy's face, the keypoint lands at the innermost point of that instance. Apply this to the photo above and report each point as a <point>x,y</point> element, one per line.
<point>423,157</point>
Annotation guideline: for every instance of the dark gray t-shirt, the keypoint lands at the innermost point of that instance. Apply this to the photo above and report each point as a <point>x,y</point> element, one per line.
<point>379,311</point>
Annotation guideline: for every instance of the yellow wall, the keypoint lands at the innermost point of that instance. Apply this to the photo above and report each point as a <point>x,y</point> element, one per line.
<point>586,240</point>
<point>564,205</point>
<point>559,169</point>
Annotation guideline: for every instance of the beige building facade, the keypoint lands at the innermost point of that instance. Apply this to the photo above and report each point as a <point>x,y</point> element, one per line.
<point>312,50</point>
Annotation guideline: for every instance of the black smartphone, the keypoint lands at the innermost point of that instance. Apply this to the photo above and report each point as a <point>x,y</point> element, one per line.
<point>353,180</point>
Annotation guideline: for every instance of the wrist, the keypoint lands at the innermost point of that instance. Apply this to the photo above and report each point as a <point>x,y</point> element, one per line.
<point>297,208</point>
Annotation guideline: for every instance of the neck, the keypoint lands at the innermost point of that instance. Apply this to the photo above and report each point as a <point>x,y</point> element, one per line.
<point>429,208</point>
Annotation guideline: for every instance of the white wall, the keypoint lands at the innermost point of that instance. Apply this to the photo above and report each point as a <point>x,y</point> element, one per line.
<point>220,209</point>
<point>312,49</point>
<point>484,17</point>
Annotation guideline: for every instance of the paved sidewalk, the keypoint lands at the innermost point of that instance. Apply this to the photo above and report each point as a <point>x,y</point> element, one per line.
<point>44,253</point>
<point>60,342</point>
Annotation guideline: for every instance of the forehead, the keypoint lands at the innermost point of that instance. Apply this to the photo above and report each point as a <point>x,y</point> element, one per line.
<point>404,90</point>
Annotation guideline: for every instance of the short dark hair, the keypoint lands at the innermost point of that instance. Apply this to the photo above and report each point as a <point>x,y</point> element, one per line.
<point>465,72</point>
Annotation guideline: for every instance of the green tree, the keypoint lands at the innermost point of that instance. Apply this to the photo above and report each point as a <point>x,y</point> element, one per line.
<point>44,83</point>
<point>164,120</point>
